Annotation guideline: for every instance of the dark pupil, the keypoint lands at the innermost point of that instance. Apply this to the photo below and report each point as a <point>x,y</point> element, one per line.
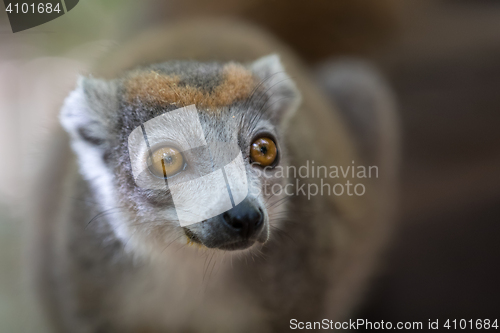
<point>168,159</point>
<point>263,150</point>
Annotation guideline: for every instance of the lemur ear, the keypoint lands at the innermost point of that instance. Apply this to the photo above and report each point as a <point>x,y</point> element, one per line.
<point>283,96</point>
<point>88,110</point>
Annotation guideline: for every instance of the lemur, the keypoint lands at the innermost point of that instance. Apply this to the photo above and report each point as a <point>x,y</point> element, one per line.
<point>112,256</point>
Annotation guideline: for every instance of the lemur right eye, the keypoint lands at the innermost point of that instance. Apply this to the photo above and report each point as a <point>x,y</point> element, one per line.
<point>166,162</point>
<point>263,151</point>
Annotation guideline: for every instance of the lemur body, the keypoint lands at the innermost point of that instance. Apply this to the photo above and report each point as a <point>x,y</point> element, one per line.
<point>112,258</point>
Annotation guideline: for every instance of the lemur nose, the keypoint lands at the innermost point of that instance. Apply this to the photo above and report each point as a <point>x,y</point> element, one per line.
<point>246,219</point>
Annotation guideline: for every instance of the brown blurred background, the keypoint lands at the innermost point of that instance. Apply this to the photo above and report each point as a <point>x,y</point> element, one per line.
<point>441,57</point>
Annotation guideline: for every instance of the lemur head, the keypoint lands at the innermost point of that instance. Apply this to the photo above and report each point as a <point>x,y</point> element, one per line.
<point>242,106</point>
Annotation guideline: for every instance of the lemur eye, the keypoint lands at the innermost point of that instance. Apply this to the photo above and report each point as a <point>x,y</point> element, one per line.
<point>263,151</point>
<point>166,162</point>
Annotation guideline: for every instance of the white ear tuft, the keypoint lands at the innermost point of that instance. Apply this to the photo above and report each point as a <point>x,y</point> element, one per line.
<point>268,65</point>
<point>88,110</point>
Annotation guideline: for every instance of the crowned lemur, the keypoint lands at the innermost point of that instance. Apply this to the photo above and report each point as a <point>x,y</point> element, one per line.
<point>114,255</point>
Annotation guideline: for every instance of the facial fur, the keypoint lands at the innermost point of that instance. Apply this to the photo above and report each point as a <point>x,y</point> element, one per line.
<point>235,102</point>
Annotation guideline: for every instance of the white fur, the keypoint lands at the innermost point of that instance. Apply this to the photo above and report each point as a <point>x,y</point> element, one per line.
<point>75,113</point>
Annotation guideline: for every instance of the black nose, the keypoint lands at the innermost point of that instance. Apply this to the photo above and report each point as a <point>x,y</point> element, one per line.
<point>246,219</point>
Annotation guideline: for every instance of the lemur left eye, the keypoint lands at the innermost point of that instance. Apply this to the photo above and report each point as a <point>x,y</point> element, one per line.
<point>166,162</point>
<point>263,151</point>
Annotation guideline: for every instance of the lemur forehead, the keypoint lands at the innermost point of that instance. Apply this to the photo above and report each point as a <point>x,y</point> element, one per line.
<point>154,88</point>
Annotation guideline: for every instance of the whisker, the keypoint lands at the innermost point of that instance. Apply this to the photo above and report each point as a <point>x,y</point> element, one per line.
<point>175,239</point>
<point>104,213</point>
<point>278,230</point>
<point>257,86</point>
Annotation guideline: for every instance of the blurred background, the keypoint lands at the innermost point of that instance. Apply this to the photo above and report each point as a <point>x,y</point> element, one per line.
<point>442,58</point>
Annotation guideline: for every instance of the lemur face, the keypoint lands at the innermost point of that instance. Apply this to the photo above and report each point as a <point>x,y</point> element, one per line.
<point>239,112</point>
